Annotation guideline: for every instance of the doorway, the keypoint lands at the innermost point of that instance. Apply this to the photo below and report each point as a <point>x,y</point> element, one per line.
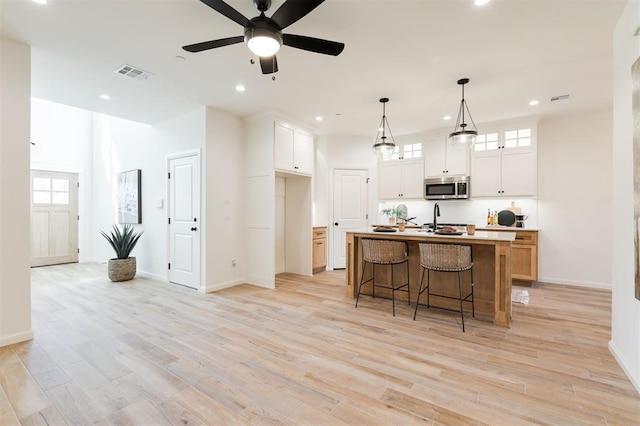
<point>349,210</point>
<point>54,217</point>
<point>184,220</point>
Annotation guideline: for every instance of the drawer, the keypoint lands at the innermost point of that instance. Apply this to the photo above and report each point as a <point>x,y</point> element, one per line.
<point>319,233</point>
<point>526,238</point>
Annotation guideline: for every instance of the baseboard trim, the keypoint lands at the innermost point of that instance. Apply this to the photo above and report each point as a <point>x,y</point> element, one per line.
<point>635,381</point>
<point>220,286</point>
<point>153,276</point>
<point>16,338</point>
<point>589,284</point>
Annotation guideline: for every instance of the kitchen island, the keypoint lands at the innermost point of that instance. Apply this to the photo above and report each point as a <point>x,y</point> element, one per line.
<point>491,268</point>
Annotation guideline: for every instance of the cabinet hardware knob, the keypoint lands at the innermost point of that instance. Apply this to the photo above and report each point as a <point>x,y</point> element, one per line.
<point>194,229</point>
<point>336,224</point>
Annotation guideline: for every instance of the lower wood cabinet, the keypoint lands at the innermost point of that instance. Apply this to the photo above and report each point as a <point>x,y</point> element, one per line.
<point>524,253</point>
<point>319,248</point>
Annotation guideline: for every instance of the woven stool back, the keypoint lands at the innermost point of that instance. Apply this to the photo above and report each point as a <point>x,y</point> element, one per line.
<point>445,257</point>
<point>384,251</point>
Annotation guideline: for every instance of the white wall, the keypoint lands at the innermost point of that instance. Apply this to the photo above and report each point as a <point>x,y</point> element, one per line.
<point>625,324</point>
<point>120,145</point>
<point>574,199</point>
<point>224,208</point>
<point>15,280</point>
<point>63,143</point>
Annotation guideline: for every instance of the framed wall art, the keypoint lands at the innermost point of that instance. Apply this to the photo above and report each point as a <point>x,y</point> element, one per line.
<point>129,196</point>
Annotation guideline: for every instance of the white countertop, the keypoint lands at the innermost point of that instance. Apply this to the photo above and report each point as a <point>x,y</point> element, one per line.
<point>479,235</point>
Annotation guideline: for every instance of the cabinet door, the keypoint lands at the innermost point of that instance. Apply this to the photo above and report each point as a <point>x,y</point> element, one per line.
<point>434,157</point>
<point>319,253</point>
<point>390,180</point>
<point>283,148</point>
<point>519,172</point>
<point>457,161</point>
<point>524,262</point>
<point>412,179</point>
<point>485,174</point>
<point>303,152</point>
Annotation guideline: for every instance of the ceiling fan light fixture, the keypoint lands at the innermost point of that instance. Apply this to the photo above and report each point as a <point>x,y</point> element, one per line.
<point>263,42</point>
<point>461,137</point>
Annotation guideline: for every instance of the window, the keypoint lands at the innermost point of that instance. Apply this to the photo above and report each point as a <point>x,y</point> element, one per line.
<point>50,191</point>
<point>412,150</point>
<point>405,151</point>
<point>505,139</point>
<point>486,142</point>
<point>517,138</point>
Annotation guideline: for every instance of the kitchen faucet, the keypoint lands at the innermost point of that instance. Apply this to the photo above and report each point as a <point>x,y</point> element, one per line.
<point>436,213</point>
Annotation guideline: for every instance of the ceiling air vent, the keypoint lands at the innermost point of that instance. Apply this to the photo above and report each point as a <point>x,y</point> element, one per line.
<point>560,98</point>
<point>133,72</point>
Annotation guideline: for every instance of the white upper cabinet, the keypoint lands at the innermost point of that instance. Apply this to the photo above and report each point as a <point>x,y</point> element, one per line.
<point>401,179</point>
<point>441,159</point>
<point>293,149</point>
<point>504,163</point>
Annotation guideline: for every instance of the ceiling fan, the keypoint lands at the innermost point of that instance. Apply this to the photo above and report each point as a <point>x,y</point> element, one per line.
<point>264,35</point>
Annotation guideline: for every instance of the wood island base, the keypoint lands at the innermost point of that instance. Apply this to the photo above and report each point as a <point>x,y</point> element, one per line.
<point>491,270</point>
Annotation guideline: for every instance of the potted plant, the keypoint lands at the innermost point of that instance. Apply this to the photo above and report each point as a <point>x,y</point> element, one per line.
<point>390,212</point>
<point>122,267</point>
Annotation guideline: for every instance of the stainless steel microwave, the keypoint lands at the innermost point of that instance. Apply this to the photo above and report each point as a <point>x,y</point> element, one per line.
<point>447,188</point>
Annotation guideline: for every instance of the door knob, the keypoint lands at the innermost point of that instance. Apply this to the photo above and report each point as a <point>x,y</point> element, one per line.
<point>194,229</point>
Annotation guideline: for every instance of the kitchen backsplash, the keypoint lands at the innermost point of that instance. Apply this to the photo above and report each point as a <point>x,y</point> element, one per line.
<point>463,211</point>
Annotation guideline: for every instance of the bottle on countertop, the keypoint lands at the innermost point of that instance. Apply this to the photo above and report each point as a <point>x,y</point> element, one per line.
<point>489,219</point>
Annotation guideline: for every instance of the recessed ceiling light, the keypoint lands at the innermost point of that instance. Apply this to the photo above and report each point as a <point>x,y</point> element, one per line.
<point>534,102</point>
<point>40,1</point>
<point>240,88</point>
<point>446,117</point>
<point>105,97</point>
<point>481,2</point>
<point>319,118</point>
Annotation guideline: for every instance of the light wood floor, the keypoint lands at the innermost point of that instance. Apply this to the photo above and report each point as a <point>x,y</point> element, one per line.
<point>150,353</point>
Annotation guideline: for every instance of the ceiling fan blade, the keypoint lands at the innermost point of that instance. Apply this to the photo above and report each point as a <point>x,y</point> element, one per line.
<point>269,64</point>
<point>293,10</point>
<point>206,45</point>
<point>312,44</point>
<point>228,11</point>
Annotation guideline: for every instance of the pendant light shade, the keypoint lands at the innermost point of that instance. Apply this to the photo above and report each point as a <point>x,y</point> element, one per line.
<point>461,137</point>
<point>383,145</point>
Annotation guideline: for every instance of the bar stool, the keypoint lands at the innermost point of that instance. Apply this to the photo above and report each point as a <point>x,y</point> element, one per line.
<point>384,252</point>
<point>446,258</point>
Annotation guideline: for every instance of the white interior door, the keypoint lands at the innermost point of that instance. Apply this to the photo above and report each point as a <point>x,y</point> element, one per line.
<point>184,220</point>
<point>349,210</point>
<point>54,217</point>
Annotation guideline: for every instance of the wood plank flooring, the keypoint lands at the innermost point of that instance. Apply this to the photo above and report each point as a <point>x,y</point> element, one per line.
<point>150,353</point>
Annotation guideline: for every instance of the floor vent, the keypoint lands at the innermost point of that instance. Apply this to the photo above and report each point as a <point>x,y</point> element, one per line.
<point>133,72</point>
<point>560,98</point>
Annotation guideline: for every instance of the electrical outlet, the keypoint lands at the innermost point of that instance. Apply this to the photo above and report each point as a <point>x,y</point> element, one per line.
<point>233,262</point>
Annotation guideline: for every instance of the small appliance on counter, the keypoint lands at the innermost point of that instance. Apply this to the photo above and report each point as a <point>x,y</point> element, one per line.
<point>520,218</point>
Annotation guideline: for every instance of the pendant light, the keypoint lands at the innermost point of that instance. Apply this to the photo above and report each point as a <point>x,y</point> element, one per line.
<point>382,145</point>
<point>463,138</point>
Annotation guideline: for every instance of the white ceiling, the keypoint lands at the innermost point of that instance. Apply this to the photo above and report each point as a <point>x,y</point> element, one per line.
<point>412,51</point>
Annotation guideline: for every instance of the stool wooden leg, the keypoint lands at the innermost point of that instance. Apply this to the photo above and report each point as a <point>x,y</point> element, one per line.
<point>373,282</point>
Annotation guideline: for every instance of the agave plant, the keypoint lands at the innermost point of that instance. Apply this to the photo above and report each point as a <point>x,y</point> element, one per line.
<point>123,241</point>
